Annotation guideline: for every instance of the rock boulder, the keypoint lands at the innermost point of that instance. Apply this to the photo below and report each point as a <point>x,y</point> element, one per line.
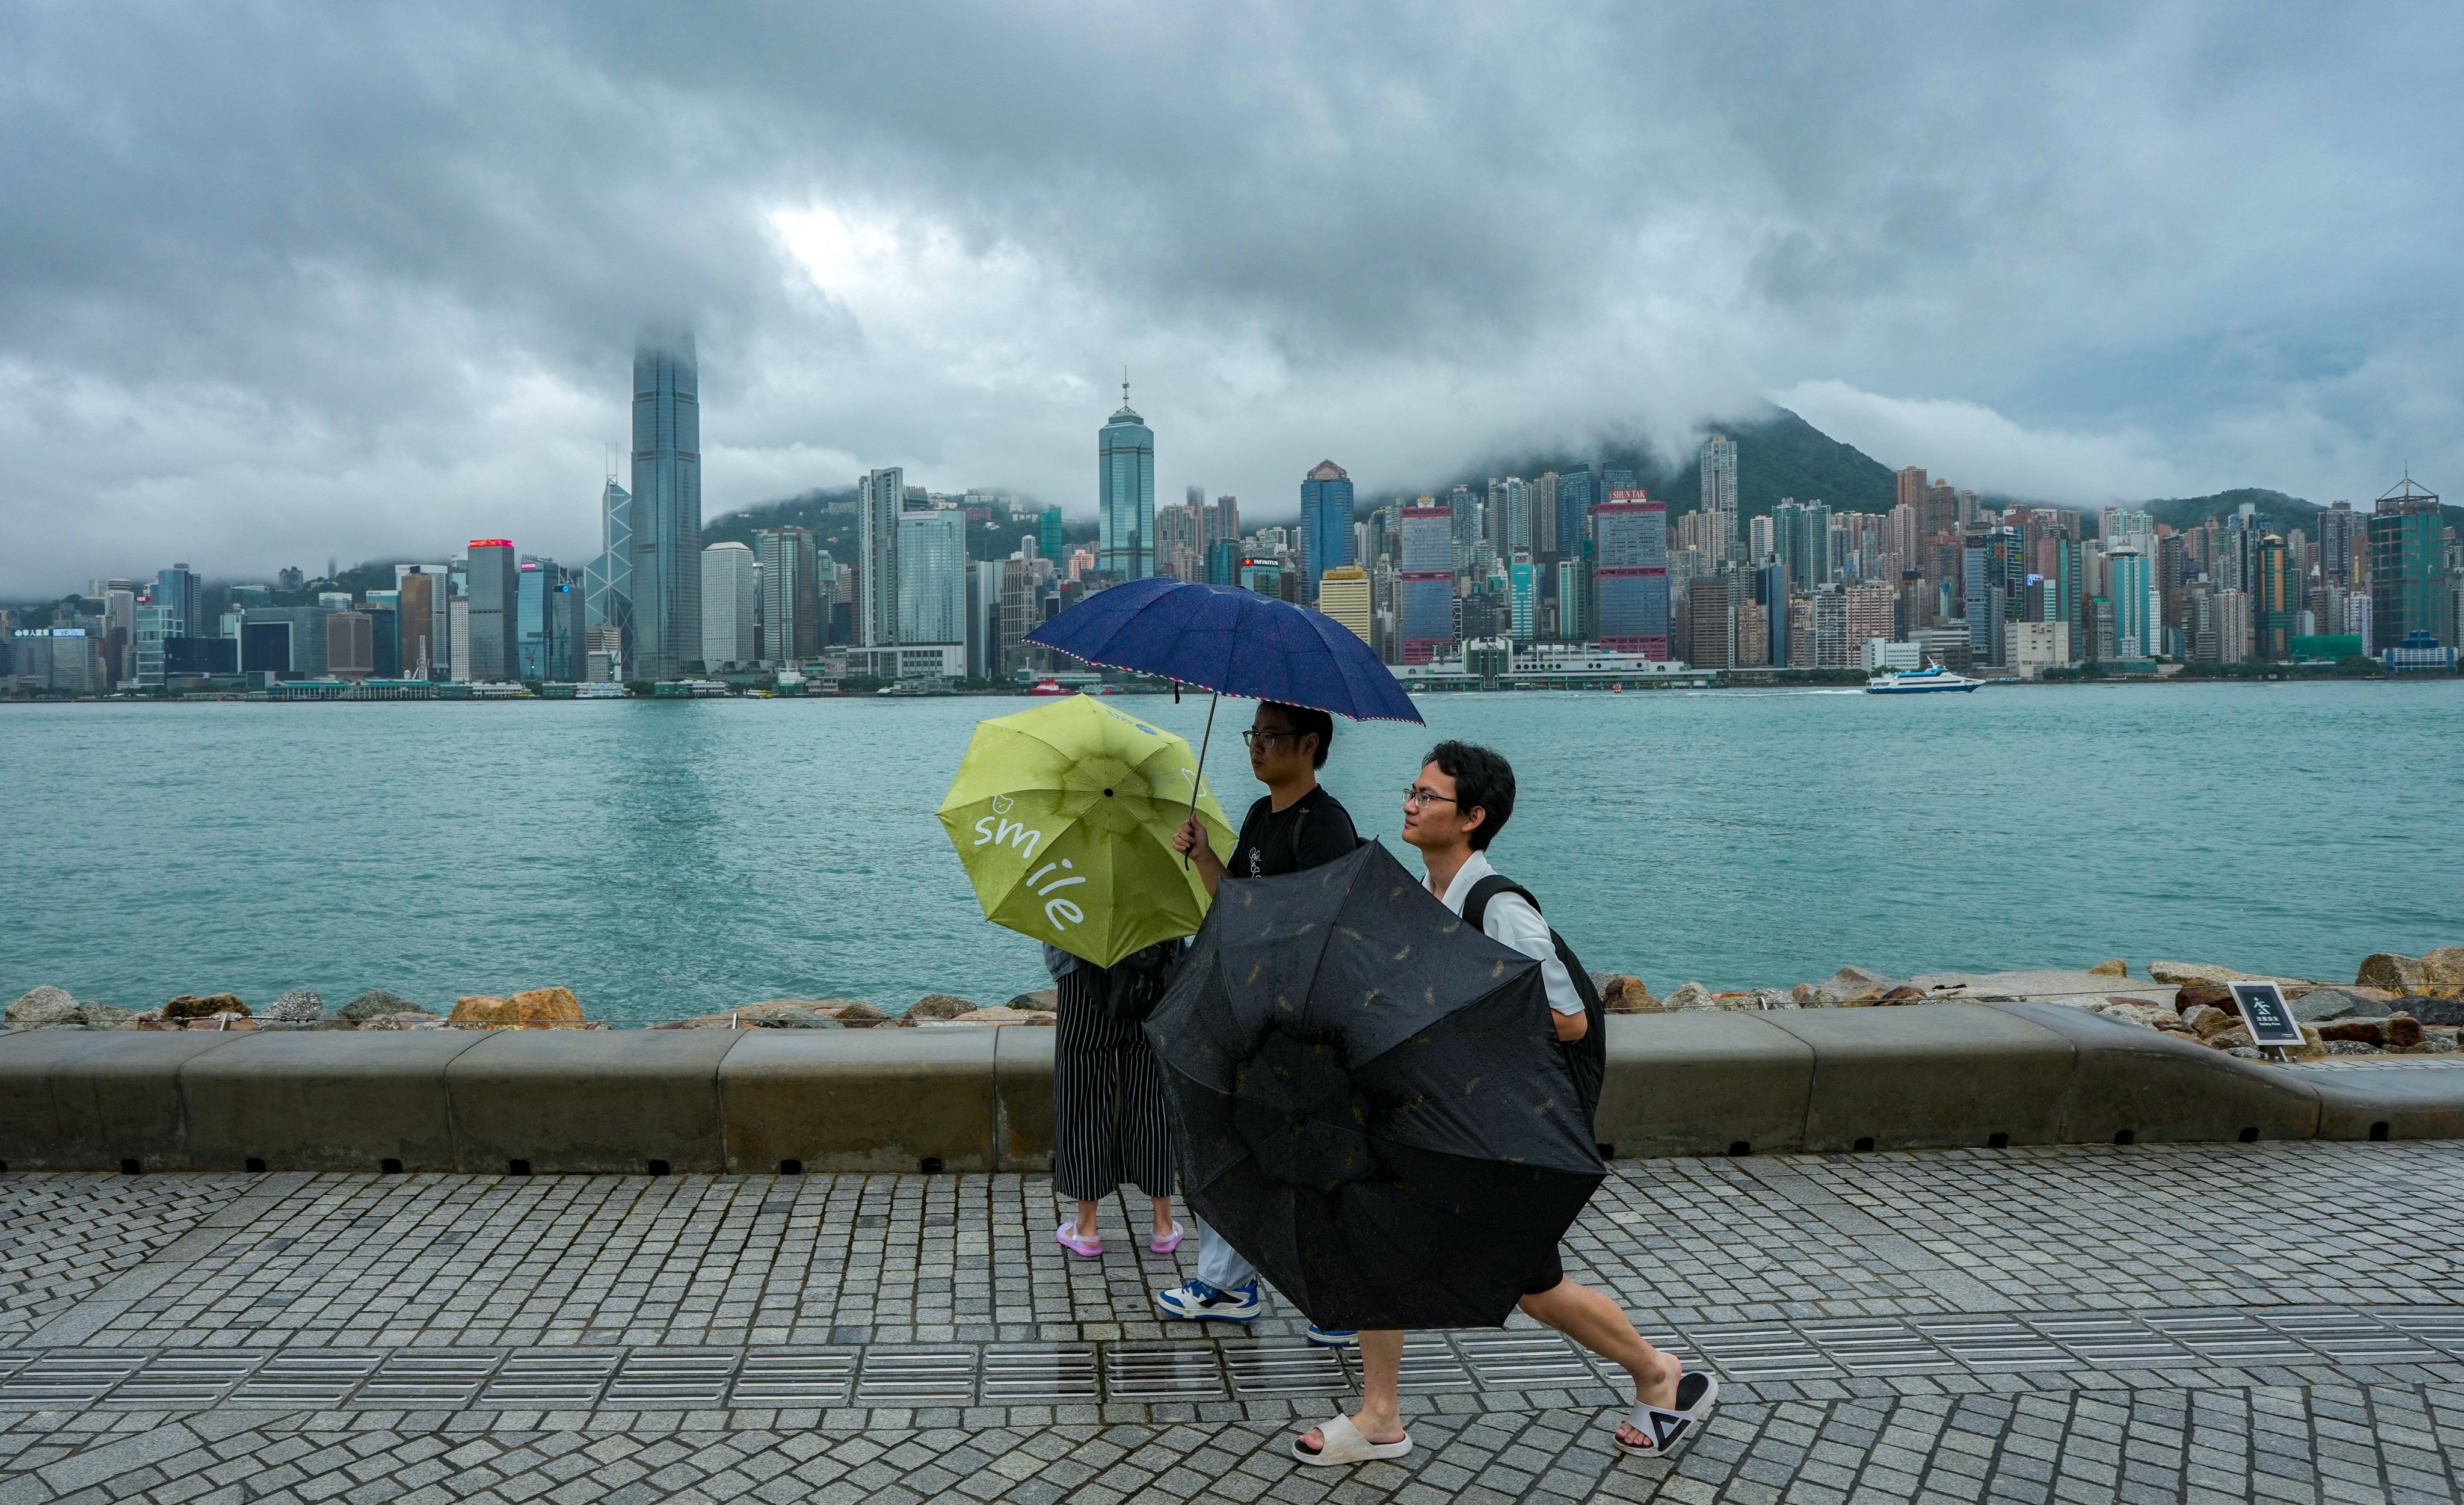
<point>2404,1030</point>
<point>2393,972</point>
<point>854,1014</point>
<point>2444,966</point>
<point>2429,1010</point>
<point>189,1006</point>
<point>42,1006</point>
<point>412,1020</point>
<point>2227,1039</point>
<point>2111,969</point>
<point>376,1002</point>
<point>2210,1023</point>
<point>935,1006</point>
<point>107,1015</point>
<point>778,1014</point>
<point>1002,1015</point>
<point>538,1007</point>
<point>298,1006</point>
<point>1690,995</point>
<point>2191,994</point>
<point>2364,1032</point>
<point>1622,993</point>
<point>1043,999</point>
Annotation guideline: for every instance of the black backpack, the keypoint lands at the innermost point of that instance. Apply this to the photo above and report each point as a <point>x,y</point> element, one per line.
<point>1587,1058</point>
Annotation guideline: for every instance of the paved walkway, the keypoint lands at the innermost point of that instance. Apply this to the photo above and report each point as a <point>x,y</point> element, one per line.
<point>2150,1323</point>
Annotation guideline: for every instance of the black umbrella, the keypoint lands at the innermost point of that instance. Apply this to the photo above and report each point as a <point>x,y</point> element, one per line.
<point>1371,1100</point>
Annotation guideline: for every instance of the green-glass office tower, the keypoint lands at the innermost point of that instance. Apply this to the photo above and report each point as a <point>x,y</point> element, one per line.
<point>667,506</point>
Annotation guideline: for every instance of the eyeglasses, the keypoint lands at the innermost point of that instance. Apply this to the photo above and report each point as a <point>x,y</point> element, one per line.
<point>1417,798</point>
<point>1265,736</point>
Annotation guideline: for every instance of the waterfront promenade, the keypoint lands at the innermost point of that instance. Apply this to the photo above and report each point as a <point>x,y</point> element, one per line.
<point>2277,1320</point>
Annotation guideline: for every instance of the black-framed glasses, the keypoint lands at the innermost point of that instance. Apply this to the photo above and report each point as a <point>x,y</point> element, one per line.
<point>1256,737</point>
<point>1416,798</point>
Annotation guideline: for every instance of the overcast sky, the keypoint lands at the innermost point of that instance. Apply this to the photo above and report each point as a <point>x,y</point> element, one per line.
<point>285,281</point>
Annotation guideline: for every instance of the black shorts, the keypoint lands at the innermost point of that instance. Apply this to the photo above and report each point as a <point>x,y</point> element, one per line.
<point>1547,1276</point>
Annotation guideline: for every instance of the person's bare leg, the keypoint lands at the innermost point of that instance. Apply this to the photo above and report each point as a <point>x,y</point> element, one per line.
<point>1600,1325</point>
<point>1162,1217</point>
<point>1087,1219</point>
<point>1381,1368</point>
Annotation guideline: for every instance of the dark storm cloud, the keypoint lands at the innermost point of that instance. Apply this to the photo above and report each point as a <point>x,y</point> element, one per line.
<point>282,279</point>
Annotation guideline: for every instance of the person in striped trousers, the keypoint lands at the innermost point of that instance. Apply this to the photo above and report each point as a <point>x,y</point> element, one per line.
<point>1110,1121</point>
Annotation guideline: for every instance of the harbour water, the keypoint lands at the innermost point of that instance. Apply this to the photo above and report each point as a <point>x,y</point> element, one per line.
<point>670,858</point>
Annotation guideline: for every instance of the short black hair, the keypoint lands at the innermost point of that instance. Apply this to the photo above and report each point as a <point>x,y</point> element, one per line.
<point>1483,780</point>
<point>1304,720</point>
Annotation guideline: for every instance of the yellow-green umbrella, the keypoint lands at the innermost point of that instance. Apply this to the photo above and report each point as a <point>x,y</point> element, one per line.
<point>1062,817</point>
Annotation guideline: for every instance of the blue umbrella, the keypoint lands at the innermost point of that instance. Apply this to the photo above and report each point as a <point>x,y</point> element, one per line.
<point>1233,642</point>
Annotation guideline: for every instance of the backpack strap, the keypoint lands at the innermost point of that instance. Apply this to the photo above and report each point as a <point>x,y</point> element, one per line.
<point>1475,909</point>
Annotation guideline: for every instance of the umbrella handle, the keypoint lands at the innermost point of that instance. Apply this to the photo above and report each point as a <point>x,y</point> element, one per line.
<point>1211,699</point>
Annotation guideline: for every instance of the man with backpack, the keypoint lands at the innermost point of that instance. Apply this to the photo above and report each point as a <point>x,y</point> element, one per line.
<point>1463,798</point>
<point>1295,826</point>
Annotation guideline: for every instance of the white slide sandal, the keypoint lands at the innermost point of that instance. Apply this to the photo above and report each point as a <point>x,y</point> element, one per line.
<point>1665,1429</point>
<point>1344,1444</point>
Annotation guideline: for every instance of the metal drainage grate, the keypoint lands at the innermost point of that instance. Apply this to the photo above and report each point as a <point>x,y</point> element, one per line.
<point>1991,1342</point>
<point>2112,1342</point>
<point>661,1379</point>
<point>1515,1359</point>
<point>1174,1372</point>
<point>310,1378</point>
<point>1302,1370</point>
<point>1431,1363</point>
<point>1762,1351</point>
<point>1040,1374</point>
<point>445,1378</point>
<point>561,1378</point>
<point>2352,1338</point>
<point>184,1379</point>
<point>1875,1347</point>
<point>2230,1338</point>
<point>917,1377</point>
<point>795,1377</point>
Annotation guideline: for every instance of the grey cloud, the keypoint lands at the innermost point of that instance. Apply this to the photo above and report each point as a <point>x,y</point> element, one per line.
<point>289,280</point>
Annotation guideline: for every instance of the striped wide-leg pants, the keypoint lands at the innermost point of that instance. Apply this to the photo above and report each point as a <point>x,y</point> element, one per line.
<point>1110,1122</point>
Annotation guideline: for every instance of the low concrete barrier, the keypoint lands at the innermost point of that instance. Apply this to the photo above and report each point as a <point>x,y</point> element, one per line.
<point>981,1098</point>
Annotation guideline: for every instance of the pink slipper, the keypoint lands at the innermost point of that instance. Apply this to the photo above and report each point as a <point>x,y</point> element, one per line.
<point>1067,1237</point>
<point>1169,1242</point>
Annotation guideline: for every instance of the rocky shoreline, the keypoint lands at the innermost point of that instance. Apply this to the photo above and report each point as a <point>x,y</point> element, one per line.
<point>2395,1005</point>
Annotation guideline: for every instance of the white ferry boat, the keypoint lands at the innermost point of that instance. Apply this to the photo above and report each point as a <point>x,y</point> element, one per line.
<point>1932,679</point>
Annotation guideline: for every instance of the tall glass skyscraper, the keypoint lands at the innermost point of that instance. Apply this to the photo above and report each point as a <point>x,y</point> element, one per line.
<point>607,579</point>
<point>1325,524</point>
<point>667,506</point>
<point>1125,494</point>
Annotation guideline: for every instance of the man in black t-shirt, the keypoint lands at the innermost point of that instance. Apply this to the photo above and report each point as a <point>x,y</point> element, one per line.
<point>1296,825</point>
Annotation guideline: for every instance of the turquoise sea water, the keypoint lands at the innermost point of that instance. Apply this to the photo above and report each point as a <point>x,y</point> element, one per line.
<point>663,858</point>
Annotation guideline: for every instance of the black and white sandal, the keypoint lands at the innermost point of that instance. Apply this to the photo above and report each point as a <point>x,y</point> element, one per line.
<point>1665,1429</point>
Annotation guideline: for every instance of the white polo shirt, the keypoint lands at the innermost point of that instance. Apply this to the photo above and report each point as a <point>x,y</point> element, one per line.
<point>1510,921</point>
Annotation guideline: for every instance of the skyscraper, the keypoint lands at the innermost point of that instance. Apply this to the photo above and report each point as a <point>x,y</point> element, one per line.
<point>666,585</point>
<point>1574,500</point>
<point>795,621</point>
<point>495,607</point>
<point>1326,525</point>
<point>419,600</point>
<point>1719,487</point>
<point>2410,590</point>
<point>932,576</point>
<point>1631,577</point>
<point>880,497</point>
<point>729,573</point>
<point>1343,594</point>
<point>607,579</point>
<point>1428,583</point>
<point>1048,534</point>
<point>1125,494</point>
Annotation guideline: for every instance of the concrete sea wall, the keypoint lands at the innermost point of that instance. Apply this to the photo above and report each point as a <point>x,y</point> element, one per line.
<point>763,1100</point>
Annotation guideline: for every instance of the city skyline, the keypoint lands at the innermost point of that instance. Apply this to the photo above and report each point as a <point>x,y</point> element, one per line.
<point>1329,239</point>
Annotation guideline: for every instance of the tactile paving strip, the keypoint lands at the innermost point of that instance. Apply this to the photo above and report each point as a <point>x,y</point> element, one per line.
<point>667,1379</point>
<point>1431,1363</point>
<point>1044,1374</point>
<point>2229,1338</point>
<point>1763,1351</point>
<point>319,1377</point>
<point>1519,1359</point>
<point>1992,1343</point>
<point>1301,1370</point>
<point>2113,1342</point>
<point>444,1378</point>
<point>70,1377</point>
<point>559,1378</point>
<point>184,1379</point>
<point>1164,1372</point>
<point>795,1377</point>
<point>917,1377</point>
<point>2354,1338</point>
<point>1878,1346</point>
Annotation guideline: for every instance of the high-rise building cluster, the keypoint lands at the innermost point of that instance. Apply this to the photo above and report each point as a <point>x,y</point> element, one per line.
<point>1580,563</point>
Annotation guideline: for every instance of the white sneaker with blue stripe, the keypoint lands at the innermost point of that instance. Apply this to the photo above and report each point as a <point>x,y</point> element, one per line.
<point>1333,1337</point>
<point>1200,1302</point>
